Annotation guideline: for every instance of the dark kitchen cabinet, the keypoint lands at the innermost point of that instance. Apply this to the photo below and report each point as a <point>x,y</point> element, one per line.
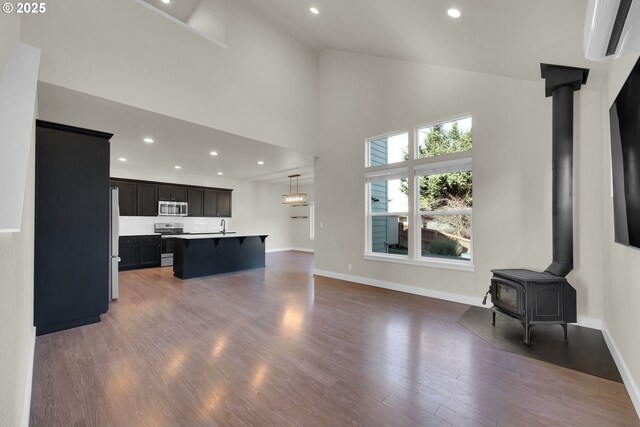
<point>224,203</point>
<point>129,256</point>
<point>210,207</point>
<point>140,198</point>
<point>196,201</point>
<point>139,252</point>
<point>217,203</point>
<point>172,193</point>
<point>71,269</point>
<point>150,251</point>
<point>180,194</point>
<point>127,197</point>
<point>147,200</point>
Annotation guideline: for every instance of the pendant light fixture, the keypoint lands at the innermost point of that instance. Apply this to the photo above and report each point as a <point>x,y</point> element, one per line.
<point>292,198</point>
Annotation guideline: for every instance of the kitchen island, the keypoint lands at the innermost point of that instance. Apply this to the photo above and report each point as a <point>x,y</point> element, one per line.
<point>200,255</point>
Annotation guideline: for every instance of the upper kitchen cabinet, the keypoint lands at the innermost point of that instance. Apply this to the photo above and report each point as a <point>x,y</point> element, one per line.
<point>196,201</point>
<point>172,193</point>
<point>147,200</point>
<point>140,198</point>
<point>217,203</point>
<point>224,203</point>
<point>210,203</point>
<point>126,197</point>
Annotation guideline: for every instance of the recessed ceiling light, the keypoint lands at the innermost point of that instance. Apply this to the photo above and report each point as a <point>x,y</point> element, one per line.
<point>148,140</point>
<point>454,13</point>
<point>261,162</point>
<point>214,153</point>
<point>314,10</point>
<point>122,159</point>
<point>166,1</point>
<point>220,173</point>
<point>177,167</point>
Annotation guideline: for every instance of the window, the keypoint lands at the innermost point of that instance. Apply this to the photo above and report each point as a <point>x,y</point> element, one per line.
<point>419,195</point>
<point>388,149</point>
<point>389,211</point>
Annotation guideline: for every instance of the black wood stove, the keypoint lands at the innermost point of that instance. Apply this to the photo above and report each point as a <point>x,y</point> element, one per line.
<point>533,298</point>
<point>547,298</point>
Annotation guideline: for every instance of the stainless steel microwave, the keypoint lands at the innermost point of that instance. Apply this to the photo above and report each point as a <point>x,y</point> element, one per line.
<point>173,208</point>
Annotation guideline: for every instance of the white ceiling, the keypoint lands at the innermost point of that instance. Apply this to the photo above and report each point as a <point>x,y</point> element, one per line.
<point>503,37</point>
<point>177,142</point>
<point>179,9</point>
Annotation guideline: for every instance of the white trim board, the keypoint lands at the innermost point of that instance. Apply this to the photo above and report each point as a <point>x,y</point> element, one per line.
<point>630,384</point>
<point>463,299</point>
<point>447,296</point>
<point>26,410</point>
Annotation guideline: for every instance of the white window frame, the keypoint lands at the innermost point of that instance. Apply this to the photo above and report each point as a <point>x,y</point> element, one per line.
<point>413,169</point>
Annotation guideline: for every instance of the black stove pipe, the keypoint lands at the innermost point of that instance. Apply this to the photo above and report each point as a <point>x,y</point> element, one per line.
<point>561,82</point>
<point>562,198</point>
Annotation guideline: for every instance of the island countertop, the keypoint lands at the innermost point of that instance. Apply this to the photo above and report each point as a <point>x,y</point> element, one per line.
<point>217,235</point>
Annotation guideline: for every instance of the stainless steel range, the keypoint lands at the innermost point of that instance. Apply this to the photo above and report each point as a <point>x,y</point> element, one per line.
<point>167,229</point>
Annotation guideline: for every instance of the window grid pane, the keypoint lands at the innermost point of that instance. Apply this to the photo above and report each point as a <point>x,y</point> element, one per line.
<point>446,191</point>
<point>389,196</point>
<point>445,138</point>
<point>389,149</point>
<point>390,235</point>
<point>446,236</point>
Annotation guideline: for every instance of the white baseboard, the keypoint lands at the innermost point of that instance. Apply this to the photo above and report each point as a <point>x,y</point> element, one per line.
<point>589,322</point>
<point>463,299</point>
<point>289,249</point>
<point>629,382</point>
<point>278,250</point>
<point>303,250</point>
<point>26,411</point>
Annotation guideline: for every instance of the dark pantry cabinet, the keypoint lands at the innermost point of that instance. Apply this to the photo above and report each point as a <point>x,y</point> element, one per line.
<point>71,272</point>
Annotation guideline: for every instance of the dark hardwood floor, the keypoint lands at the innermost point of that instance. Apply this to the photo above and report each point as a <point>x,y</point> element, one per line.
<point>277,347</point>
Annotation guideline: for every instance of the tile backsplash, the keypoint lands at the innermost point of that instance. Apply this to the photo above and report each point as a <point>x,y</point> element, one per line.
<point>141,225</point>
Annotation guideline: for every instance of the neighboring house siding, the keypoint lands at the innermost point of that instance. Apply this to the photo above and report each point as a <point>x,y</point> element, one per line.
<point>378,150</point>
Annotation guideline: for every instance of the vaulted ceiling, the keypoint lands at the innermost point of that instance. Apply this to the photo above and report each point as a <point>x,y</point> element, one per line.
<point>503,37</point>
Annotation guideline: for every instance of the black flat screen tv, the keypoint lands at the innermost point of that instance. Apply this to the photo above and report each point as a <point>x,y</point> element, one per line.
<point>624,117</point>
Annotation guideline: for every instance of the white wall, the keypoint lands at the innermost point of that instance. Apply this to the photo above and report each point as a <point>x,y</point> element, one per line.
<point>210,18</point>
<point>621,263</point>
<point>300,226</point>
<point>263,86</point>
<point>256,207</point>
<point>363,96</point>
<point>16,283</point>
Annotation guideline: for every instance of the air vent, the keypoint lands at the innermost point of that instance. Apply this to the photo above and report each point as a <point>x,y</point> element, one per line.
<point>618,25</point>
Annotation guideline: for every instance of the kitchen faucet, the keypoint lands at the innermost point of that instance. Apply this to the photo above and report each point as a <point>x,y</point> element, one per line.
<point>224,227</point>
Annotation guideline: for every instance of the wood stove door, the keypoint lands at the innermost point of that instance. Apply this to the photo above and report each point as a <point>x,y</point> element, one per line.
<point>545,302</point>
<point>508,295</point>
